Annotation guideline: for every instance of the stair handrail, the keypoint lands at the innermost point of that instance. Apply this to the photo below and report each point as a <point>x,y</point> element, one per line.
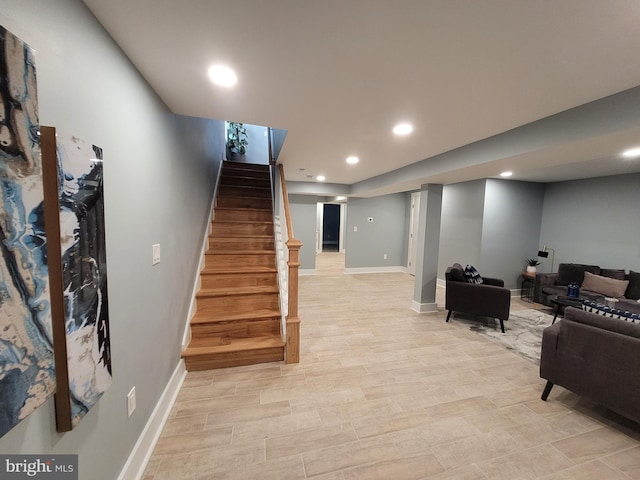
<point>292,349</point>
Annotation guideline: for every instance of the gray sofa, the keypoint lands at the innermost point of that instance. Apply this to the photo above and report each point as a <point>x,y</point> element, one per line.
<point>548,286</point>
<point>596,357</point>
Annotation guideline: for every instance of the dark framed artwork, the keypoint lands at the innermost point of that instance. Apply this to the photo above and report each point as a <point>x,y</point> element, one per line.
<point>27,368</point>
<point>75,199</point>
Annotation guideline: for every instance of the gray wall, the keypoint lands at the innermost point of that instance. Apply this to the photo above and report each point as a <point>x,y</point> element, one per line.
<point>594,221</point>
<point>303,220</point>
<point>511,228</point>
<point>461,228</point>
<point>159,175</point>
<point>388,233</point>
<point>258,148</point>
<point>491,224</point>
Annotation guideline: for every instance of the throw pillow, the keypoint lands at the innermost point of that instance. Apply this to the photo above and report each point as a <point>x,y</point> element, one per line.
<point>608,312</point>
<point>633,290</point>
<point>609,287</point>
<point>457,273</point>
<point>472,275</point>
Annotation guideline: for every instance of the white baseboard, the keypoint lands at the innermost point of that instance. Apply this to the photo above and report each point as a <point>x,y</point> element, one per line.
<point>424,307</point>
<point>394,269</point>
<point>306,271</point>
<point>137,461</point>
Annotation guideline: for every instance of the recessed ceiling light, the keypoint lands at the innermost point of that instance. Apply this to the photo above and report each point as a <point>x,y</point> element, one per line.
<point>321,178</point>
<point>403,129</point>
<point>352,160</point>
<point>506,174</point>
<point>631,153</point>
<point>223,76</point>
<point>341,198</point>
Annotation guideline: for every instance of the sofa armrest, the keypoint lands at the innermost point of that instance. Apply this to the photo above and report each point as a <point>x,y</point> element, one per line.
<point>496,282</point>
<point>549,350</point>
<point>478,299</point>
<point>542,280</point>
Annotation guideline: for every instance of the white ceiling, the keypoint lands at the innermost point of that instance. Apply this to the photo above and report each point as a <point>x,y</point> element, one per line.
<point>338,74</point>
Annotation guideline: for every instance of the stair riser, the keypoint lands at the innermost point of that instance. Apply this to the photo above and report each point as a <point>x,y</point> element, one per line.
<point>249,181</point>
<point>253,192</point>
<point>214,261</point>
<point>245,215</point>
<point>231,229</point>
<point>241,329</point>
<point>238,280</point>
<point>234,359</point>
<point>237,304</point>
<point>244,202</point>
<point>240,243</point>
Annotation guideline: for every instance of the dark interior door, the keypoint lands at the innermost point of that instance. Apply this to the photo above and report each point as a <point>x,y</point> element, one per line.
<point>331,228</point>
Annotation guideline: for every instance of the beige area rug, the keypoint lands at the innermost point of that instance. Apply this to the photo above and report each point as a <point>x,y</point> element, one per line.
<point>523,330</point>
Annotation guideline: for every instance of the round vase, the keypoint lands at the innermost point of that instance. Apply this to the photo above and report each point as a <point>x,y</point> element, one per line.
<point>531,269</point>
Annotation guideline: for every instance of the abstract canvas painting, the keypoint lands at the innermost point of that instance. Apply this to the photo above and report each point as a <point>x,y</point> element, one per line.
<point>27,370</point>
<point>82,252</point>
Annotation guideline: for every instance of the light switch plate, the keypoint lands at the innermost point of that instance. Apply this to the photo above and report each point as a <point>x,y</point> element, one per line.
<point>131,402</point>
<point>156,254</point>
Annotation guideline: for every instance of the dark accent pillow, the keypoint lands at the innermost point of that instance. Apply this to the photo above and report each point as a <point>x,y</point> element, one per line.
<point>617,273</point>
<point>472,274</point>
<point>457,273</point>
<point>574,273</point>
<point>633,290</point>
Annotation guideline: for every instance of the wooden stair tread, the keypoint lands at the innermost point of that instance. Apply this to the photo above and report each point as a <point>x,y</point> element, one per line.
<point>235,291</point>
<point>200,319</point>
<point>213,345</point>
<point>240,252</point>
<point>238,269</point>
<point>234,236</point>
<point>243,222</point>
<point>243,209</point>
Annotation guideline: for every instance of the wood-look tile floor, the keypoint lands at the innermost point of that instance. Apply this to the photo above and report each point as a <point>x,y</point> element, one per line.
<point>384,393</point>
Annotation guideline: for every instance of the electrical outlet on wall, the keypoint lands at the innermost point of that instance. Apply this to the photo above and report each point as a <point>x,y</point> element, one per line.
<point>384,256</point>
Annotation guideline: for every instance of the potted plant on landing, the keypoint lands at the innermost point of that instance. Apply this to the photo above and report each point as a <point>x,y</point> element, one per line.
<point>532,263</point>
<point>236,140</point>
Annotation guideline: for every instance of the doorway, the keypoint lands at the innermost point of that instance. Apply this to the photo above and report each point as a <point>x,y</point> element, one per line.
<point>330,226</point>
<point>413,233</point>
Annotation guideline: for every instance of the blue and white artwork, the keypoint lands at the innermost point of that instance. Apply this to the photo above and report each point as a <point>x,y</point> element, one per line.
<point>84,268</point>
<point>27,371</point>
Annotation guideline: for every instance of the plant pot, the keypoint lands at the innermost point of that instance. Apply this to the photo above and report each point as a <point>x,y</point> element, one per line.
<point>531,269</point>
<point>235,156</point>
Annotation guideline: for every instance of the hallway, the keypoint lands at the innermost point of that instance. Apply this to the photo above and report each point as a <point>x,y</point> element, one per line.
<point>383,392</point>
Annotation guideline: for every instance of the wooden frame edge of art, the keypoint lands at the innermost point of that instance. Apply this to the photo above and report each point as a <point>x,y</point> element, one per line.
<point>56,287</point>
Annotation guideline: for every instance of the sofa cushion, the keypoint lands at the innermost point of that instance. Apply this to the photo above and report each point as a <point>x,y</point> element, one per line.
<point>617,273</point>
<point>574,273</point>
<point>560,290</point>
<point>609,287</point>
<point>472,275</point>
<point>633,290</point>
<point>457,273</point>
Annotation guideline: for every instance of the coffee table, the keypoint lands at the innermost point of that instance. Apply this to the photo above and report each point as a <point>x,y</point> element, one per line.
<point>561,302</point>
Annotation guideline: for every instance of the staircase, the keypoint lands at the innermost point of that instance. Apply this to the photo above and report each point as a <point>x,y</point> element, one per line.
<point>238,311</point>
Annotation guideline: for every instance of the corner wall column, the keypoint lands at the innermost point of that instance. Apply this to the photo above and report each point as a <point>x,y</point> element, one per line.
<point>428,249</point>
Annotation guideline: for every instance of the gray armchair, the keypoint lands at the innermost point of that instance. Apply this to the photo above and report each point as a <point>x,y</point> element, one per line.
<point>486,299</point>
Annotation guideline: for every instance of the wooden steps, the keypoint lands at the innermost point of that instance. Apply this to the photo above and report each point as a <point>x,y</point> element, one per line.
<point>238,308</point>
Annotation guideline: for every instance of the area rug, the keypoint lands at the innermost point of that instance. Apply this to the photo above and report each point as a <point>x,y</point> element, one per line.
<point>523,331</point>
